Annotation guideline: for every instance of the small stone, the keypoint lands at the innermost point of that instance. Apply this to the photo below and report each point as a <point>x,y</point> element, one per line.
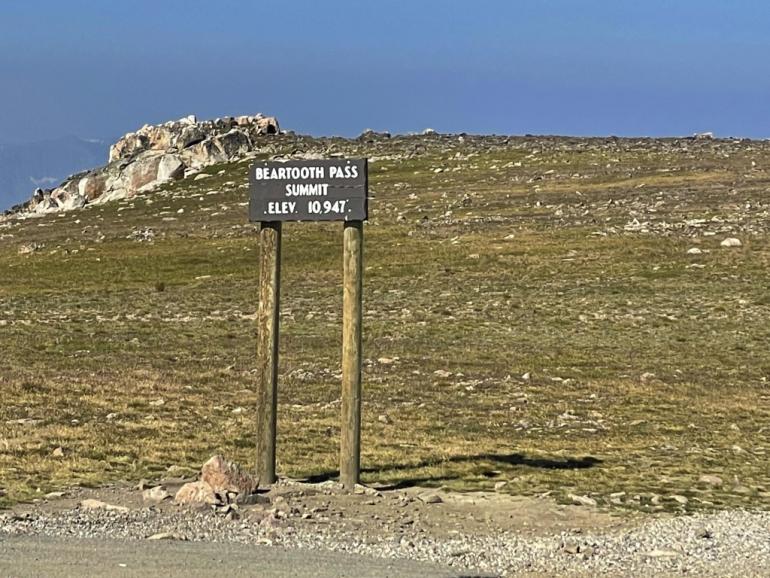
<point>661,554</point>
<point>360,489</point>
<point>710,480</point>
<point>731,242</point>
<point>91,504</point>
<point>442,373</point>
<point>384,419</point>
<point>582,500</point>
<point>196,493</point>
<point>58,452</point>
<point>386,361</point>
<point>500,485</point>
<point>167,536</point>
<point>680,499</point>
<point>52,495</point>
<point>694,251</point>
<point>742,490</point>
<point>430,498</point>
<point>156,495</point>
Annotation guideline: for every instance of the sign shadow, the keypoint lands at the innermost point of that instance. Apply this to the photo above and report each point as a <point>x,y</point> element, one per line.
<point>508,459</point>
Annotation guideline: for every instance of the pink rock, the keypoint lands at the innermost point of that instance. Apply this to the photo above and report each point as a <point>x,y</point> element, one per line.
<point>196,493</point>
<point>225,476</point>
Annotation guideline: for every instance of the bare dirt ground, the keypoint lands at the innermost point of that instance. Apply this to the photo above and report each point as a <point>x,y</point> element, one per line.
<point>371,513</point>
<point>295,515</point>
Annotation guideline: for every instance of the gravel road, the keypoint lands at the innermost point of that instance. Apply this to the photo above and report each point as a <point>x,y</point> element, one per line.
<point>60,557</point>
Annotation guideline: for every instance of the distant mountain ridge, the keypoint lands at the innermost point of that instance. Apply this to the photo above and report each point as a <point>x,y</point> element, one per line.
<point>44,164</point>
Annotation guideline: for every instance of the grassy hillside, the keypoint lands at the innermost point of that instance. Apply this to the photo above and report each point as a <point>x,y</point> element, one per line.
<point>534,313</point>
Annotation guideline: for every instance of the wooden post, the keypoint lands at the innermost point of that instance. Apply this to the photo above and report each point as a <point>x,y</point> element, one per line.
<point>267,349</point>
<point>352,301</point>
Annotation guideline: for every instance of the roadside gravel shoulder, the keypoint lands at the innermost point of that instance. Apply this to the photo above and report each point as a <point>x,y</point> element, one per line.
<point>466,532</point>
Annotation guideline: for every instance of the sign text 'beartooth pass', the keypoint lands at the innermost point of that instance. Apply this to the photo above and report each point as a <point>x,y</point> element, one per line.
<point>315,190</point>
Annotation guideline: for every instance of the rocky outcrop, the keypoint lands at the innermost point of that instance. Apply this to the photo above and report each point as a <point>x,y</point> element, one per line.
<point>221,134</point>
<point>155,154</point>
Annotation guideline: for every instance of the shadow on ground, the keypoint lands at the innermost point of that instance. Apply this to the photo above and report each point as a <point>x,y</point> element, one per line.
<point>513,459</point>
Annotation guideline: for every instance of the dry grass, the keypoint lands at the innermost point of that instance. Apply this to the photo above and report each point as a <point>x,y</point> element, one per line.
<point>648,366</point>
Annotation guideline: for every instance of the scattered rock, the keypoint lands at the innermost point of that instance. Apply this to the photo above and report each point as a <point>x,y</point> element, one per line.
<point>91,504</point>
<point>30,248</point>
<point>58,452</point>
<point>731,242</point>
<point>582,500</point>
<point>167,536</point>
<point>710,480</point>
<point>196,493</point>
<point>661,554</point>
<point>224,476</point>
<point>156,495</point>
<point>430,498</point>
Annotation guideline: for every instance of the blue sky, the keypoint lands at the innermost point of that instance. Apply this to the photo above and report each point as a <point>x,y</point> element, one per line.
<point>97,69</point>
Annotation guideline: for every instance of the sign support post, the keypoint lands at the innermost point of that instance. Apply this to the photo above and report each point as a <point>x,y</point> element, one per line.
<point>309,190</point>
<point>267,348</point>
<point>350,442</point>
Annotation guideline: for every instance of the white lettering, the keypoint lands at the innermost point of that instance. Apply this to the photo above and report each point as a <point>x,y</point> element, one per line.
<point>280,207</point>
<point>289,173</point>
<point>304,190</point>
<point>346,172</point>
